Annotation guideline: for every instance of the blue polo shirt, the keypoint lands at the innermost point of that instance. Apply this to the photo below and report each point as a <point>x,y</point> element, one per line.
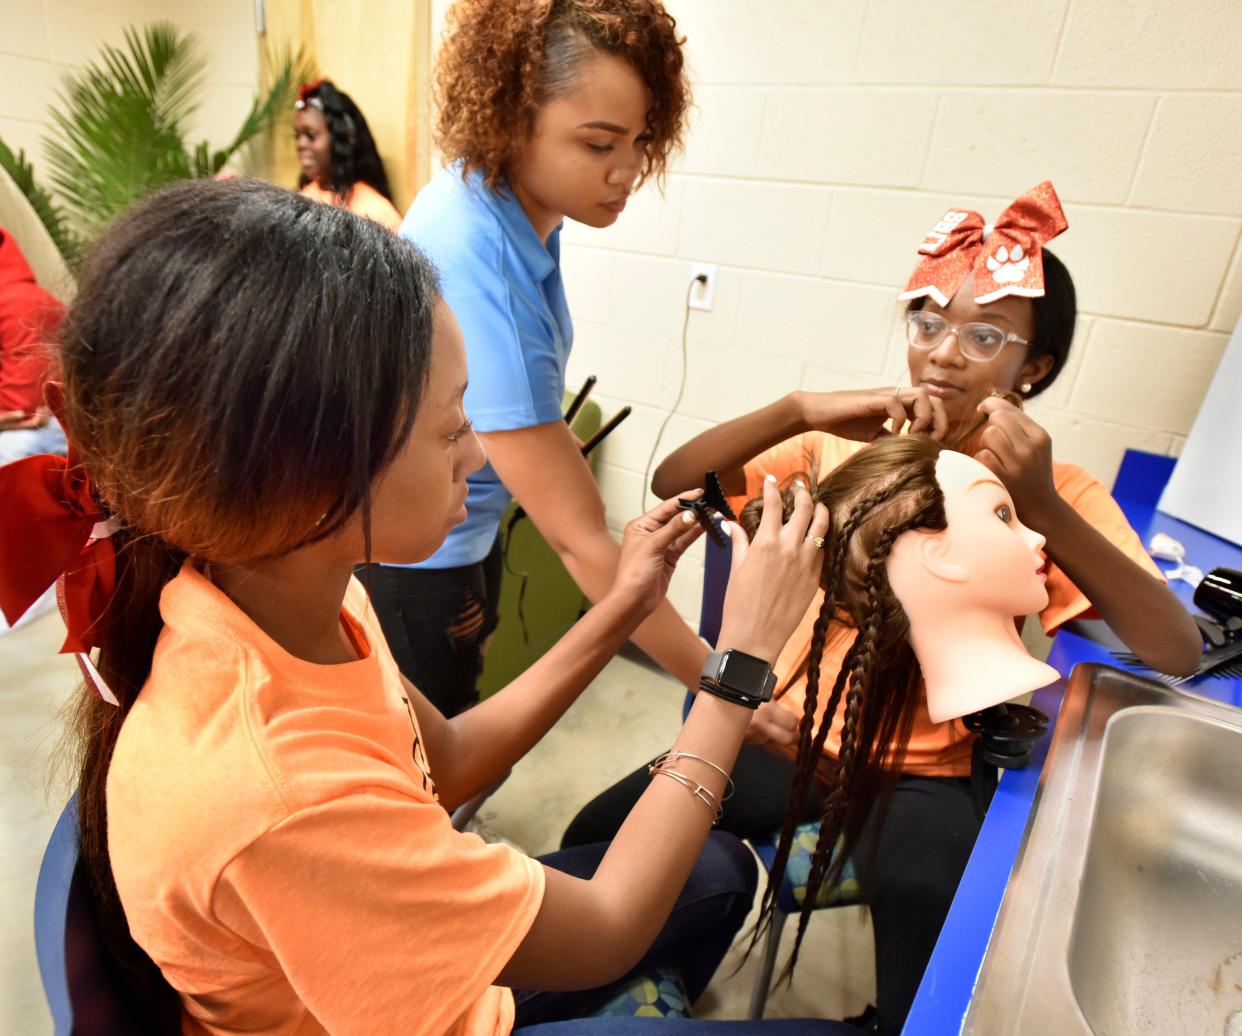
<point>504,286</point>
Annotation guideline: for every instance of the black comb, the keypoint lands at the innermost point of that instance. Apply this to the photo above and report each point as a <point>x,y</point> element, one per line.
<point>713,496</point>
<point>712,500</point>
<point>1224,661</point>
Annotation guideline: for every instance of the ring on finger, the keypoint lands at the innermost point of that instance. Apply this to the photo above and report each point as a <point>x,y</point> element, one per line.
<point>818,541</point>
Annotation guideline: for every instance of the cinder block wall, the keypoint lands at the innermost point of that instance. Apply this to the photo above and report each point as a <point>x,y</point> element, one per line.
<point>831,133</point>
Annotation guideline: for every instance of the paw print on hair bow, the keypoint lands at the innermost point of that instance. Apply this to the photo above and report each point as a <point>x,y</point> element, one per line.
<point>1008,267</point>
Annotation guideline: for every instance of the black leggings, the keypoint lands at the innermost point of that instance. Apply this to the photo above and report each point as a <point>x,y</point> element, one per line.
<point>761,780</point>
<point>436,622</point>
<point>908,865</point>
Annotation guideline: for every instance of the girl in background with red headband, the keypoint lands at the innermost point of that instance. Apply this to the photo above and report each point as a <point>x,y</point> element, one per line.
<point>264,393</point>
<point>340,162</point>
<point>988,309</point>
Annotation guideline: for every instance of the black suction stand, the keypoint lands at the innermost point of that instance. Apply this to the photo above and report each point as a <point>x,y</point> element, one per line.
<point>1007,733</point>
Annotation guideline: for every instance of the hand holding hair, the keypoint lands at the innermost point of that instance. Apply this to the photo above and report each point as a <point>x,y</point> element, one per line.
<point>775,575</point>
<point>870,414</point>
<point>1019,451</point>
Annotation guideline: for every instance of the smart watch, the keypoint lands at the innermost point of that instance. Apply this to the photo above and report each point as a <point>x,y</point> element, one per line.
<point>738,677</point>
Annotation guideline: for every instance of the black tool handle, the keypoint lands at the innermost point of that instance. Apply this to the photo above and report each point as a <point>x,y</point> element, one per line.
<point>579,399</point>
<point>606,430</point>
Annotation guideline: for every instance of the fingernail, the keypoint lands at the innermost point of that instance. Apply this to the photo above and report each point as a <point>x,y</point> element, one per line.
<point>799,483</point>
<point>687,517</point>
<point>769,478</point>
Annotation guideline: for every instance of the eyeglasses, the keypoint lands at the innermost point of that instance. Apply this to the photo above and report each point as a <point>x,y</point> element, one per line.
<point>976,341</point>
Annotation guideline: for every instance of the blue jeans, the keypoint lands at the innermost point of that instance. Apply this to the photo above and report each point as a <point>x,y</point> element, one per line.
<point>689,1027</point>
<point>16,443</point>
<point>705,919</point>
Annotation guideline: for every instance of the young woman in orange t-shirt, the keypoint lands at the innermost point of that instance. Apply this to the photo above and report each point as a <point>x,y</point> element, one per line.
<point>261,393</point>
<point>960,350</point>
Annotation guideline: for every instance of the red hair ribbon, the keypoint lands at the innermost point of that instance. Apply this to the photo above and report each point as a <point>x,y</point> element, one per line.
<point>306,89</point>
<point>1006,258</point>
<point>52,529</point>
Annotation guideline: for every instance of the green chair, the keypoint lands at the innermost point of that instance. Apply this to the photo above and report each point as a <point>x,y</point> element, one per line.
<point>550,601</point>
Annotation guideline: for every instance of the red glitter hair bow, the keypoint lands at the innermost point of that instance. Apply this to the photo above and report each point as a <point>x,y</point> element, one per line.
<point>306,89</point>
<point>53,531</point>
<point>1006,258</point>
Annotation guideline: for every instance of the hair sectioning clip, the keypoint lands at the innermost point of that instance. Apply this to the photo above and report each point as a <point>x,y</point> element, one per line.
<point>711,502</point>
<point>714,497</point>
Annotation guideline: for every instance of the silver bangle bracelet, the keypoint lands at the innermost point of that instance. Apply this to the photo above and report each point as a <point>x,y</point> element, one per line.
<point>697,790</point>
<point>672,756</point>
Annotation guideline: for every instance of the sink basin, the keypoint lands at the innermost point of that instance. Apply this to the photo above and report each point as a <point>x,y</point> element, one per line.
<point>1124,910</point>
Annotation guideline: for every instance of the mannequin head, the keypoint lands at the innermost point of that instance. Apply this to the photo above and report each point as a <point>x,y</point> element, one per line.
<point>961,589</point>
<point>922,540</point>
<point>984,560</point>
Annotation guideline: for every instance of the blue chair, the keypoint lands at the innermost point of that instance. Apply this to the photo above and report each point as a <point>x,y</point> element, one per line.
<point>792,892</point>
<point>86,995</point>
<point>80,981</point>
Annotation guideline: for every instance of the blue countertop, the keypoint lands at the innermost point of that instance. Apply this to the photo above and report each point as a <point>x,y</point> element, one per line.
<point>944,995</point>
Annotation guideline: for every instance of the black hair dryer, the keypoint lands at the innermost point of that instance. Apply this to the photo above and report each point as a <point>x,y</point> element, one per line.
<point>1220,596</point>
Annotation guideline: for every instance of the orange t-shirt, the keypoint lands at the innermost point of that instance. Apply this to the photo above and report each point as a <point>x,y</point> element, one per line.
<point>279,848</point>
<point>935,749</point>
<point>362,200</point>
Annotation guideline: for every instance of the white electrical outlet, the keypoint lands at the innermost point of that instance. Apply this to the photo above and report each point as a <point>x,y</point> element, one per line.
<point>702,292</point>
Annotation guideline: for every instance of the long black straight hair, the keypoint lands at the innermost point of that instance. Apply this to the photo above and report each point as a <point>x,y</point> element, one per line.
<point>240,364</point>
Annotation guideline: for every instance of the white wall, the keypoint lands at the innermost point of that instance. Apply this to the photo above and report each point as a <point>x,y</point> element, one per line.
<point>831,133</point>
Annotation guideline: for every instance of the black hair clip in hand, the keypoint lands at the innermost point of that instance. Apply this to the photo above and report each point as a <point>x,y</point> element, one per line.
<point>712,501</point>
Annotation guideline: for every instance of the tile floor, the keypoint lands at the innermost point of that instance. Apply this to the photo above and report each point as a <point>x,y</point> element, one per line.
<point>581,755</point>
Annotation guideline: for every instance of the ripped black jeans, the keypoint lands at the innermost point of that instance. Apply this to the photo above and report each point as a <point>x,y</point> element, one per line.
<point>437,621</point>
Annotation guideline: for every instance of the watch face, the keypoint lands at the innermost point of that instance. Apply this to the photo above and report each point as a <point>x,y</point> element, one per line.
<point>745,673</point>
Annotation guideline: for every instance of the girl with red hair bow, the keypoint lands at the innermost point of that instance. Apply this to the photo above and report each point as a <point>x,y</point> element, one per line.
<point>989,309</point>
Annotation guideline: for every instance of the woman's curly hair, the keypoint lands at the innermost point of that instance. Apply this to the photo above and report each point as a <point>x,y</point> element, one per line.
<point>501,60</point>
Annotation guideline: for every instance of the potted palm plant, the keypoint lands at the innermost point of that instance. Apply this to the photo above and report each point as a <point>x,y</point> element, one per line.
<point>119,131</point>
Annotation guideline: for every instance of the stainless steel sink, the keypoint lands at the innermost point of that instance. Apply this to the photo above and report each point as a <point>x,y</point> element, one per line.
<point>1124,910</point>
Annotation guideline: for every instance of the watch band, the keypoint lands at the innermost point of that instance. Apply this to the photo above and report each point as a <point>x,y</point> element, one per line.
<point>738,678</point>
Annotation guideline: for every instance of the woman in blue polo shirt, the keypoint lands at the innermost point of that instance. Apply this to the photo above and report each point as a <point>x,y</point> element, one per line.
<point>547,111</point>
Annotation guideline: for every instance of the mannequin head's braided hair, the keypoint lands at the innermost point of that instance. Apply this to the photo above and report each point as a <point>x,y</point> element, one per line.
<point>884,490</point>
<point>354,154</point>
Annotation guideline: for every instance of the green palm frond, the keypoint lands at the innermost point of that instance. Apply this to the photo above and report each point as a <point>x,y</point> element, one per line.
<point>291,69</point>
<point>21,172</point>
<point>118,130</point>
<point>120,124</point>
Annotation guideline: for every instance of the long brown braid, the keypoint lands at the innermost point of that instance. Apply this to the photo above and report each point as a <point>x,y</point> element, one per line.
<point>866,522</point>
<point>810,748</point>
<point>860,745</point>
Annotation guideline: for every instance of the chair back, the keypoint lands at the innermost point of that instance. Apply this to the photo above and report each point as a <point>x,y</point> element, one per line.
<point>716,566</point>
<point>83,989</point>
